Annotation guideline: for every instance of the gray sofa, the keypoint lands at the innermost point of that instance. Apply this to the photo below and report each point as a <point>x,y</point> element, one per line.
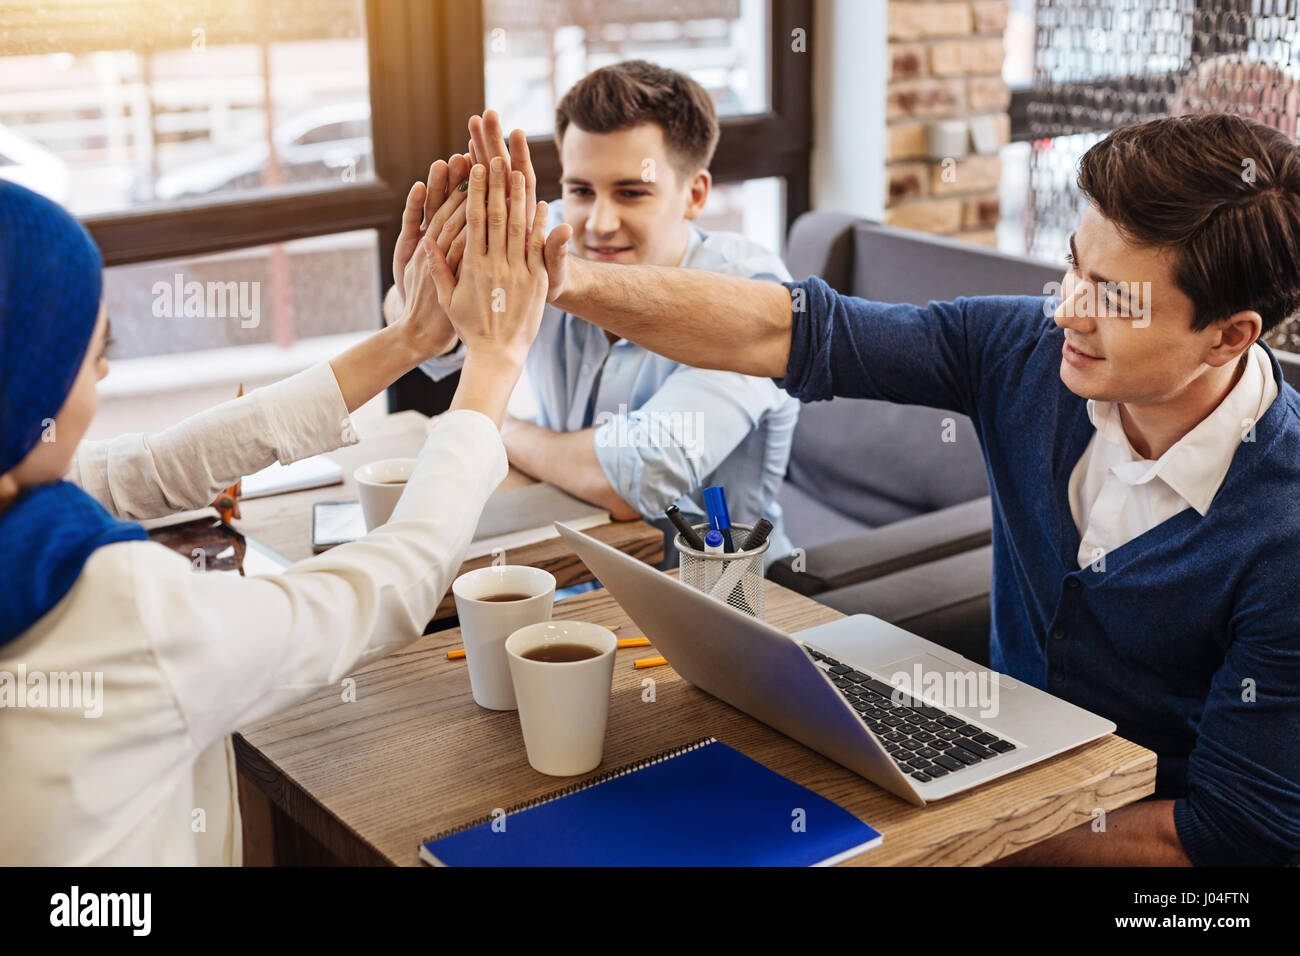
<point>891,520</point>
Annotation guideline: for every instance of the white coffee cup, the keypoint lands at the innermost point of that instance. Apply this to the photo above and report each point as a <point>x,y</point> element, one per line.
<point>485,625</point>
<point>563,707</point>
<point>379,485</point>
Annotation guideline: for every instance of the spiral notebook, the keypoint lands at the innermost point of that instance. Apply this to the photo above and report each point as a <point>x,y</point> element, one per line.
<point>702,804</point>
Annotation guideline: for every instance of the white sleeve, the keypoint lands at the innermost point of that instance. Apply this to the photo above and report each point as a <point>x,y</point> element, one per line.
<point>238,650</point>
<point>187,465</point>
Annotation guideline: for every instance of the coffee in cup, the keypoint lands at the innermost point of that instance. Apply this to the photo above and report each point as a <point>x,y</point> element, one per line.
<point>492,603</point>
<point>562,673</point>
<point>561,653</point>
<point>379,485</point>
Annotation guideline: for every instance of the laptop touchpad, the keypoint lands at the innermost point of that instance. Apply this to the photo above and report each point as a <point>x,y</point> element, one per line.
<point>919,670</point>
<point>926,671</point>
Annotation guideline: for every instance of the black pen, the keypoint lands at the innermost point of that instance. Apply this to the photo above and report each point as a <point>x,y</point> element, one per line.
<point>689,534</point>
<point>757,535</point>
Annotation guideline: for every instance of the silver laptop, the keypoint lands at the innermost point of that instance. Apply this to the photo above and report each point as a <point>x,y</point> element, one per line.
<point>916,718</point>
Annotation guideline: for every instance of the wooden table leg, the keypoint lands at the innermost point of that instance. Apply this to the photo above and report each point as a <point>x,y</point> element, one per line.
<point>255,811</point>
<point>272,838</point>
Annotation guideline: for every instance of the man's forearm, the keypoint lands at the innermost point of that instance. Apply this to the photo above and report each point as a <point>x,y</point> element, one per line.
<point>1141,834</point>
<point>695,317</point>
<point>567,460</point>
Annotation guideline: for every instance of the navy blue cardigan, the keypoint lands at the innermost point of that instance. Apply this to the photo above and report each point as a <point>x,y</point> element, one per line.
<point>1189,639</point>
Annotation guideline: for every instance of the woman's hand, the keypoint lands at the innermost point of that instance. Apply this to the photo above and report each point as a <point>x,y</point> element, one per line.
<point>375,363</point>
<point>442,206</point>
<point>496,302</point>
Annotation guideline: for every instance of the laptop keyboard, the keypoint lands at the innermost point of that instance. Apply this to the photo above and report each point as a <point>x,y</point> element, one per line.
<point>927,742</point>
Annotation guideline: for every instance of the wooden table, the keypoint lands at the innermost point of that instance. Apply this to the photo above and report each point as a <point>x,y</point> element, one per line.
<point>283,522</point>
<point>364,782</point>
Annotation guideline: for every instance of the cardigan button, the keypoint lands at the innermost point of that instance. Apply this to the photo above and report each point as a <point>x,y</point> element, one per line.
<point>1059,634</point>
<point>1057,676</point>
<point>1071,582</point>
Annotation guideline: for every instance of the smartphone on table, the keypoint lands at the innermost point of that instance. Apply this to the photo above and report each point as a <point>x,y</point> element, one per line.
<point>335,522</point>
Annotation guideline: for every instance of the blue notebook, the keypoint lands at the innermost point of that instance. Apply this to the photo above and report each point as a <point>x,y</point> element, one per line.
<point>703,804</point>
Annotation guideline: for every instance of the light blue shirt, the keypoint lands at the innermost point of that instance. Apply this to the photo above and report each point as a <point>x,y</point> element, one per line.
<point>666,431</point>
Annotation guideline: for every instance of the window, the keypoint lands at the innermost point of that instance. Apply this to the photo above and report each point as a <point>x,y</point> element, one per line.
<point>755,208</point>
<point>148,109</point>
<point>530,59</point>
<point>264,295</point>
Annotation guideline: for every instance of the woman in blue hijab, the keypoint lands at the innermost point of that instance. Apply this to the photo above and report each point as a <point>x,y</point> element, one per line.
<point>168,662</point>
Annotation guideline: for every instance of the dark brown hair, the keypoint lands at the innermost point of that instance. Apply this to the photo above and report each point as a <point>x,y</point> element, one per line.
<point>1223,192</point>
<point>633,92</point>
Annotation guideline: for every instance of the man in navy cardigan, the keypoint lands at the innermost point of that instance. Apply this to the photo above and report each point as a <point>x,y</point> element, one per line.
<point>1142,449</point>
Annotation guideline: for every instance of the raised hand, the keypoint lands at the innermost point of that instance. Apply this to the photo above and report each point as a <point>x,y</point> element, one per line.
<point>496,301</point>
<point>441,206</point>
<point>486,143</point>
<point>424,320</point>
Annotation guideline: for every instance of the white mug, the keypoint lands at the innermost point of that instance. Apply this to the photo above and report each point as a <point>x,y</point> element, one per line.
<point>379,485</point>
<point>563,707</point>
<point>485,625</point>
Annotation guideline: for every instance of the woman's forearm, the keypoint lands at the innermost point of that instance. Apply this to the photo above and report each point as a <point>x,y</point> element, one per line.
<point>692,316</point>
<point>184,466</point>
<point>369,367</point>
<point>486,381</point>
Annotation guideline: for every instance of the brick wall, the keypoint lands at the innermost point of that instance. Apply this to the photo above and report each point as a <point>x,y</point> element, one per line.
<point>946,65</point>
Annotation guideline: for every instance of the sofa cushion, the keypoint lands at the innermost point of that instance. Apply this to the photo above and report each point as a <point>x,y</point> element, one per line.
<point>877,462</point>
<point>893,547</point>
<point>808,522</point>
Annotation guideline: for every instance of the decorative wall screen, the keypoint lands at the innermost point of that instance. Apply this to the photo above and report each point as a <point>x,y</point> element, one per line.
<point>1099,64</point>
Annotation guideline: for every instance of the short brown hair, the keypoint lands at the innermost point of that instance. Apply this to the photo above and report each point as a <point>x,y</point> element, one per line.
<point>633,92</point>
<point>1223,193</point>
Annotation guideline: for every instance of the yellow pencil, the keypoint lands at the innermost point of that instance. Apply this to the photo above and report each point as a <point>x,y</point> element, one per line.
<point>651,662</point>
<point>459,652</point>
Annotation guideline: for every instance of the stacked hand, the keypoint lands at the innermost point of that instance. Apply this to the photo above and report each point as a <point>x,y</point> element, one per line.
<point>487,143</point>
<point>470,258</point>
<point>441,203</point>
<point>496,300</point>
<point>436,211</point>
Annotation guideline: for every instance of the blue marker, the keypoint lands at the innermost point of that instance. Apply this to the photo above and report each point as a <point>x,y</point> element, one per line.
<point>715,503</point>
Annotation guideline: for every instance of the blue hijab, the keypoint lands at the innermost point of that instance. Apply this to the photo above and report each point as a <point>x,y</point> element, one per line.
<point>50,285</point>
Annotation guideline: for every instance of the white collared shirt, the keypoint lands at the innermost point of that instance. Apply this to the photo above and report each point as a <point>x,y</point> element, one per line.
<point>1117,495</point>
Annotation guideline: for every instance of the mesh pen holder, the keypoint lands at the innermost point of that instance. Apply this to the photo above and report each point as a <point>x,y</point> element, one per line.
<point>735,578</point>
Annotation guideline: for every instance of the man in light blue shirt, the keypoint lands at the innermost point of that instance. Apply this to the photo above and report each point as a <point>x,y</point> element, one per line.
<point>619,426</point>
